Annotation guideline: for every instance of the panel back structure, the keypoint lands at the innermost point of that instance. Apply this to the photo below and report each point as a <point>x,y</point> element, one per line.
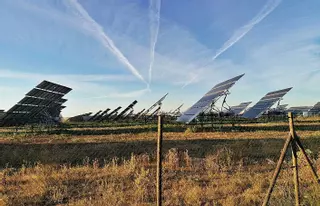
<point>239,109</point>
<point>92,118</point>
<point>208,99</point>
<point>104,113</point>
<point>44,103</point>
<point>265,103</point>
<point>177,111</point>
<point>315,109</point>
<point>282,107</point>
<point>111,114</point>
<point>80,117</point>
<point>158,103</point>
<point>299,109</point>
<point>126,110</point>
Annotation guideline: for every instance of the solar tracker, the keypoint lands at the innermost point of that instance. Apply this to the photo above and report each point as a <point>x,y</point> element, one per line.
<point>315,109</point>
<point>239,109</point>
<point>155,112</point>
<point>128,115</point>
<point>265,103</point>
<point>114,112</point>
<point>130,107</point>
<point>99,117</point>
<point>177,112</point>
<point>44,101</point>
<point>95,115</point>
<point>208,99</point>
<point>299,109</point>
<point>139,114</point>
<point>80,117</point>
<point>158,103</point>
<point>50,86</point>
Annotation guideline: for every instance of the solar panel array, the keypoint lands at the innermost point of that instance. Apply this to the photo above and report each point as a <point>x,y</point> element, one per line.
<point>43,103</point>
<point>265,103</point>
<point>299,109</point>
<point>315,109</point>
<point>239,109</point>
<point>80,117</point>
<point>210,97</point>
<point>124,112</point>
<point>158,103</point>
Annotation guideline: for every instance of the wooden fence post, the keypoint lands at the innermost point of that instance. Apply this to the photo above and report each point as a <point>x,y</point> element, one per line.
<point>294,160</point>
<point>159,160</point>
<point>295,144</point>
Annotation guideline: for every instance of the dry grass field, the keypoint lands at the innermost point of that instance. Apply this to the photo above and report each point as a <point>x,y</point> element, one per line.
<point>115,164</point>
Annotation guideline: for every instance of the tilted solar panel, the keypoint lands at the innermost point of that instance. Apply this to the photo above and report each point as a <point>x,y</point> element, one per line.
<point>299,109</point>
<point>240,108</point>
<point>315,109</point>
<point>212,96</point>
<point>265,103</point>
<point>44,94</point>
<point>46,85</point>
<point>45,101</point>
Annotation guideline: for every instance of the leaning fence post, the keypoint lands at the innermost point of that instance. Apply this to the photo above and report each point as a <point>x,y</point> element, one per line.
<point>294,159</point>
<point>159,160</point>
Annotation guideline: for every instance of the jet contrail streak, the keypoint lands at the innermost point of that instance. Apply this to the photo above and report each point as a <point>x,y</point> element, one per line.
<point>154,18</point>
<point>240,33</point>
<point>97,31</point>
<point>190,81</point>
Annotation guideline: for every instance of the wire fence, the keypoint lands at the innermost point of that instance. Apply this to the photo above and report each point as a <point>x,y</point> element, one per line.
<point>209,163</point>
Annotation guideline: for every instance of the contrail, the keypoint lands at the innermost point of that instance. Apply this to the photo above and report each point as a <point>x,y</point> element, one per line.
<point>240,33</point>
<point>154,18</point>
<point>190,81</point>
<point>96,30</point>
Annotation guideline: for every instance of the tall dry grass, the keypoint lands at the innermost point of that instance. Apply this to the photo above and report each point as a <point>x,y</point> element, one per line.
<point>217,179</point>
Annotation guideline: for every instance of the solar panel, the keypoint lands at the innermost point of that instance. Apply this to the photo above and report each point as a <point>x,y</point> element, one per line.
<point>44,94</point>
<point>114,112</point>
<point>128,108</point>
<point>210,97</point>
<point>95,115</point>
<point>99,117</point>
<point>265,103</point>
<point>315,109</point>
<point>240,108</point>
<point>299,109</point>
<point>158,103</point>
<point>44,101</point>
<point>49,86</point>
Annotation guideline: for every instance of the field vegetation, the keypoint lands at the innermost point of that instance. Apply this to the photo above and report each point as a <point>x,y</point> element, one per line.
<point>114,164</point>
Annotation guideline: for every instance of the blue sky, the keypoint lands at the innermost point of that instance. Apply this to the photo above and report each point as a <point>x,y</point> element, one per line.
<point>112,52</point>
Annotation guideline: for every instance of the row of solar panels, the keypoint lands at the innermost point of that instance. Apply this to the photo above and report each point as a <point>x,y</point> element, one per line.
<point>42,104</point>
<point>313,110</point>
<point>222,89</point>
<point>106,115</point>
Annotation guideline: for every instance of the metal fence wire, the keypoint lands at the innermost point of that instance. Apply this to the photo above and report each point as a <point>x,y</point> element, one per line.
<point>216,161</point>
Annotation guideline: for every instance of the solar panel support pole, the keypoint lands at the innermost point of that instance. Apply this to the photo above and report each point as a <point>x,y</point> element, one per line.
<point>294,139</point>
<point>159,160</point>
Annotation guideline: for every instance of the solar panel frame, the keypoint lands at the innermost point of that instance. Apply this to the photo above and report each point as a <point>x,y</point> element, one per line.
<point>315,109</point>
<point>240,108</point>
<point>44,94</point>
<point>46,85</point>
<point>210,97</point>
<point>265,103</point>
<point>45,98</point>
